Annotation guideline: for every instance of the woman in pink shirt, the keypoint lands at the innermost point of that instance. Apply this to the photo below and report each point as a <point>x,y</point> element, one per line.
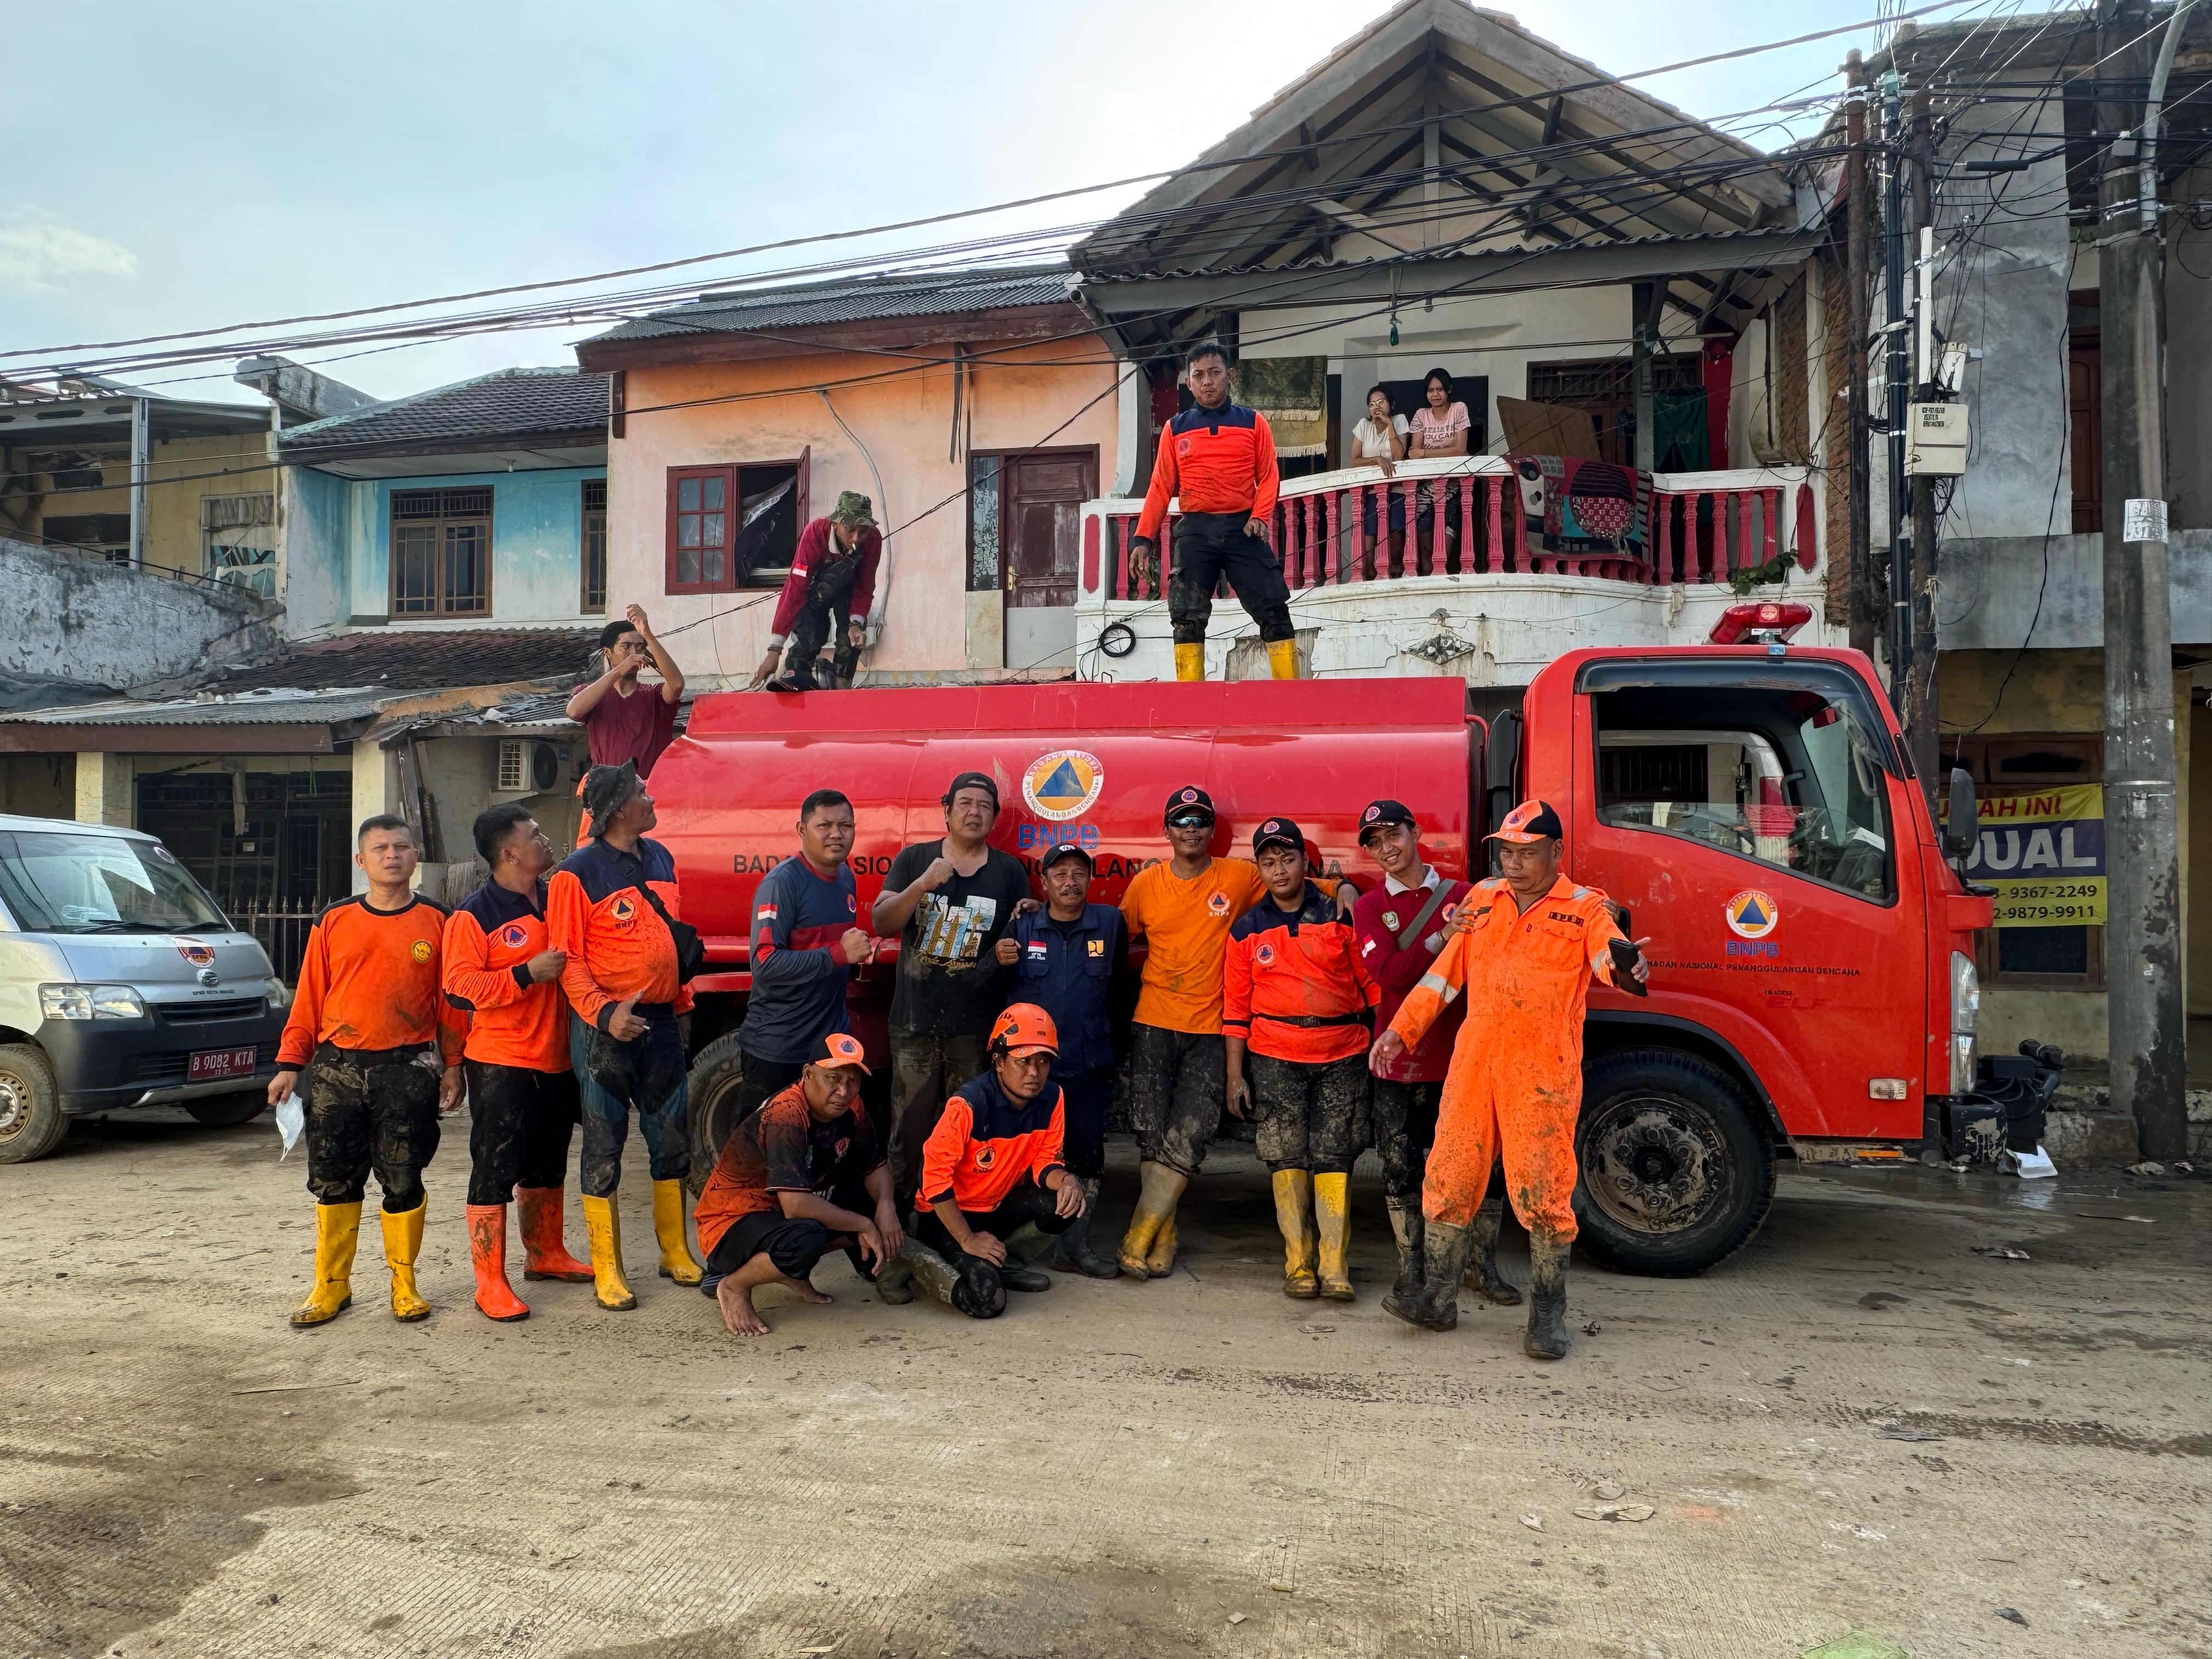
<point>1440,428</point>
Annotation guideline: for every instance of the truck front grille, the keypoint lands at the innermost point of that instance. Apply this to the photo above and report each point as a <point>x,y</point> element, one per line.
<point>201,1013</point>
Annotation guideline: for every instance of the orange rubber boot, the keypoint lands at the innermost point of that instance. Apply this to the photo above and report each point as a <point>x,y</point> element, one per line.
<point>546,1253</point>
<point>495,1297</point>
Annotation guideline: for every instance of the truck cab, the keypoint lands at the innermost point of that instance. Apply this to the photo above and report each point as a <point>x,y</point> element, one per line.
<point>122,984</point>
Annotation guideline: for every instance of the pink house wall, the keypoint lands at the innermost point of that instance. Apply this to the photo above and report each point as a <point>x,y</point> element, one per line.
<point>1016,397</point>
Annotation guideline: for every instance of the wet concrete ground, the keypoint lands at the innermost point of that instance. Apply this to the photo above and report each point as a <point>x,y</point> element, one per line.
<point>1860,1423</point>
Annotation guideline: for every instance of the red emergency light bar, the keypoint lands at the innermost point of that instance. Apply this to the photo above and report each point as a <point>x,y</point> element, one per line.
<point>1745,624</point>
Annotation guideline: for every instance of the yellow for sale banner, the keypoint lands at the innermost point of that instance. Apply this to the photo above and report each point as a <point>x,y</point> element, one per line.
<point>2044,851</point>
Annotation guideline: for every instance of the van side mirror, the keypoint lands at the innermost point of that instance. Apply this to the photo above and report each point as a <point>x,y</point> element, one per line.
<point>1961,824</point>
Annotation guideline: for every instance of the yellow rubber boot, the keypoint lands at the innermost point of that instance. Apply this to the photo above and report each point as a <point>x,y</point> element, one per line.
<point>1332,1217</point>
<point>603,1226</point>
<point>676,1262</point>
<point>1190,662</point>
<point>337,1230</point>
<point>1156,1202</point>
<point>1160,1260</point>
<point>402,1243</point>
<point>1283,659</point>
<point>1294,1216</point>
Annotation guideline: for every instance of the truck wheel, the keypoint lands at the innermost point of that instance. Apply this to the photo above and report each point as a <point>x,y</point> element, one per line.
<point>222,1111</point>
<point>31,1120</point>
<point>1677,1174</point>
<point>716,1074</point>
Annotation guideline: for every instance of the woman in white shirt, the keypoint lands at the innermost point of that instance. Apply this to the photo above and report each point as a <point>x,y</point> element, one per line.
<point>1440,429</point>
<point>1379,441</point>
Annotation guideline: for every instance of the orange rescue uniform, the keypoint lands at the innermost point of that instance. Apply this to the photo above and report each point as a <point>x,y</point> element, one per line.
<point>1515,1084</point>
<point>513,1020</point>
<point>369,981</point>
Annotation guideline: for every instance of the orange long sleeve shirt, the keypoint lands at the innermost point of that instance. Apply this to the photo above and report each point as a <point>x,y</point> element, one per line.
<point>1293,985</point>
<point>513,1020</point>
<point>617,947</point>
<point>1213,460</point>
<point>369,979</point>
<point>986,1144</point>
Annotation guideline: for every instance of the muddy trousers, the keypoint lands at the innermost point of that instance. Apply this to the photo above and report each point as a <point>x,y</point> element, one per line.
<point>818,625</point>
<point>1084,1097</point>
<point>794,1243</point>
<point>1527,1127</point>
<point>657,1090</point>
<point>1306,1111</point>
<point>978,1291</point>
<point>520,1123</point>
<point>925,1071</point>
<point>1177,1081</point>
<point>1209,546</point>
<point>1405,1119</point>
<point>370,1110</point>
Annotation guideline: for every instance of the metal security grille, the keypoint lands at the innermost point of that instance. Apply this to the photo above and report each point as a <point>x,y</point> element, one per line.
<point>441,552</point>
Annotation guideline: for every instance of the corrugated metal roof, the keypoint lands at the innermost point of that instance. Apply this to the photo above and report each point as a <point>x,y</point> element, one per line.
<point>412,659</point>
<point>511,402</point>
<point>245,708</point>
<point>1321,262</point>
<point>854,300</point>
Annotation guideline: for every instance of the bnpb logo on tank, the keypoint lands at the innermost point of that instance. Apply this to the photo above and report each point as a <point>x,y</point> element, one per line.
<point>1060,788</point>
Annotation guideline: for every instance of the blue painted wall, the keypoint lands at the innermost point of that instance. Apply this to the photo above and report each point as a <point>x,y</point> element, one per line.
<point>339,545</point>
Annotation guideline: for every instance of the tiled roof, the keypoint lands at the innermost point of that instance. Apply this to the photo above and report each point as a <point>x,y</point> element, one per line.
<point>854,300</point>
<point>405,660</point>
<point>511,403</point>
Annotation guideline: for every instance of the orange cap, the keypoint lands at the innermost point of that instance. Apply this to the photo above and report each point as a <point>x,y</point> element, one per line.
<point>839,1048</point>
<point>1025,1028</point>
<point>1531,821</point>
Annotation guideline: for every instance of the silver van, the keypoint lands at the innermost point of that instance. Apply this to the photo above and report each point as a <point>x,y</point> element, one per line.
<point>122,984</point>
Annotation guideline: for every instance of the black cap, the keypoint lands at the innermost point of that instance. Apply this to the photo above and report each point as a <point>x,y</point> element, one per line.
<point>1380,812</point>
<point>1190,798</point>
<point>1278,832</point>
<point>607,789</point>
<point>972,780</point>
<point>1064,849</point>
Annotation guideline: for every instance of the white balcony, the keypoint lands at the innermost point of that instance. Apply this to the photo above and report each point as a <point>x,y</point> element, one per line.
<point>1475,591</point>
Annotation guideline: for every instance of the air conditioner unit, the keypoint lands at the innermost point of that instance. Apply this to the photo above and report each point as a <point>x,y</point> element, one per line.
<point>527,767</point>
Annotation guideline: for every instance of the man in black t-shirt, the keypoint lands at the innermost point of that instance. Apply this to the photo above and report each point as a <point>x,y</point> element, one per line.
<point>950,902</point>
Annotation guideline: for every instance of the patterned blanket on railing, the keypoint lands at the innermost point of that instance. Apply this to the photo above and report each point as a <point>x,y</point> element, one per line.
<point>1574,505</point>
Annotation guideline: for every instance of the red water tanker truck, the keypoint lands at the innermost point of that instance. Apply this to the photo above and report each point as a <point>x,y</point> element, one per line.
<point>1752,808</point>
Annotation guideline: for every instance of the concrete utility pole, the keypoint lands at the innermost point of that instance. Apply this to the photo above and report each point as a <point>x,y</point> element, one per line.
<point>1858,271</point>
<point>2143,923</point>
<point>1896,382</point>
<point>1923,733</point>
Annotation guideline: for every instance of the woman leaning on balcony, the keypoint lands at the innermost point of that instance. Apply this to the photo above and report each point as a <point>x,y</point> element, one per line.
<point>1379,441</point>
<point>1441,428</point>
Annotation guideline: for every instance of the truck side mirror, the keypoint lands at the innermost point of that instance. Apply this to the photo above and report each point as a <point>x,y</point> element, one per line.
<point>1961,824</point>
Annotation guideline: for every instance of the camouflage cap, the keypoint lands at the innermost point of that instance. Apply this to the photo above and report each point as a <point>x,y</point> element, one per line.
<point>855,509</point>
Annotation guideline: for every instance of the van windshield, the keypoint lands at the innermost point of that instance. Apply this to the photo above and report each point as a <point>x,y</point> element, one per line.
<point>79,881</point>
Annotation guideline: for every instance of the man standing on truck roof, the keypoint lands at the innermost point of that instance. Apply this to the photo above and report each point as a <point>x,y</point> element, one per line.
<point>1403,925</point>
<point>623,719</point>
<point>1296,994</point>
<point>608,907</point>
<point>384,1064</point>
<point>1528,947</point>
<point>827,594</point>
<point>803,1177</point>
<point>1071,959</point>
<point>1182,910</point>
<point>501,973</point>
<point>805,943</point>
<point>1217,460</point>
<point>949,901</point>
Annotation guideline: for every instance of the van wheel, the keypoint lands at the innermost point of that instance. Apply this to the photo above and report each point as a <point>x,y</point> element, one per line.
<point>1676,1173</point>
<point>716,1076</point>
<point>31,1120</point>
<point>222,1111</point>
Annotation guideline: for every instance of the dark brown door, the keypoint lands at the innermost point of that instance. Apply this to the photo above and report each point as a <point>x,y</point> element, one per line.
<point>2085,414</point>
<point>1044,497</point>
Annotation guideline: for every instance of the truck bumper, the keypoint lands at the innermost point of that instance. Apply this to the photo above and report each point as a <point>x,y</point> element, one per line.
<point>105,1066</point>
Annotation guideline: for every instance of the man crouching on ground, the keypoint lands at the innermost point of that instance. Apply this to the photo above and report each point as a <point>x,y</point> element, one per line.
<point>802,1177</point>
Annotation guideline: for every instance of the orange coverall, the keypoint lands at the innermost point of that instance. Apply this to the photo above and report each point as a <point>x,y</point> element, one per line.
<point>1515,1082</point>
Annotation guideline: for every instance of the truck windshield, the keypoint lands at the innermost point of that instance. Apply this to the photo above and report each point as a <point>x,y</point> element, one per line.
<point>79,881</point>
<point>1788,778</point>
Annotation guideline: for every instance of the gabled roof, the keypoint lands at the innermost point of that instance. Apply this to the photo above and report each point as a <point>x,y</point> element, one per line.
<point>916,306</point>
<point>1441,132</point>
<point>545,411</point>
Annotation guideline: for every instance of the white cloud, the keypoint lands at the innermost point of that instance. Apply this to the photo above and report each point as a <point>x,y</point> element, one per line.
<point>37,255</point>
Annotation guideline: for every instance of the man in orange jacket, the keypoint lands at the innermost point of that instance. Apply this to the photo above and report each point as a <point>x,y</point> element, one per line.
<point>1216,459</point>
<point>1528,947</point>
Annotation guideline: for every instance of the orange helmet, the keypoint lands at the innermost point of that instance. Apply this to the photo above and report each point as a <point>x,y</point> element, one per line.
<point>1025,1028</point>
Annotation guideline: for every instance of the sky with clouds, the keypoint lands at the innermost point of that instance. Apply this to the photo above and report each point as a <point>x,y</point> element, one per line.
<point>236,161</point>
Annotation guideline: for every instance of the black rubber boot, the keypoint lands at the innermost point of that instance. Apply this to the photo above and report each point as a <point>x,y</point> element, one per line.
<point>1547,1297</point>
<point>1406,1226</point>
<point>1434,1304</point>
<point>1016,1274</point>
<point>1073,1254</point>
<point>1482,1275</point>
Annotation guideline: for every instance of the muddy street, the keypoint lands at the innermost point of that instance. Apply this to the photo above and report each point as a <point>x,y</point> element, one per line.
<point>1868,1420</point>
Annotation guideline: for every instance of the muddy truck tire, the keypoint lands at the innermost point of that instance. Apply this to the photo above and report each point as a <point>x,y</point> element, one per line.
<point>717,1072</point>
<point>31,1120</point>
<point>1677,1171</point>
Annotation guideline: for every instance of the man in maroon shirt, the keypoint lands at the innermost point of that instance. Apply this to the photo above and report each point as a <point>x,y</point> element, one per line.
<point>1400,926</point>
<point>622,719</point>
<point>831,584</point>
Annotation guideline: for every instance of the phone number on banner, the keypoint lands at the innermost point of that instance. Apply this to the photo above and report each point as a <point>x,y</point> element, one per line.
<point>2051,903</point>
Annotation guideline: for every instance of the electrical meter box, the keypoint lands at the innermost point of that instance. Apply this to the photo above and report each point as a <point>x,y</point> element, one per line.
<point>1936,441</point>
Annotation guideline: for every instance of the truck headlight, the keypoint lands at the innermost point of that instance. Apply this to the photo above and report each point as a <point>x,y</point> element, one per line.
<point>90,1002</point>
<point>1965,1015</point>
<point>280,998</point>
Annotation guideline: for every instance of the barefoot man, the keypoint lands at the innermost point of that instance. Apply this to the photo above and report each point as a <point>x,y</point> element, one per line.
<point>802,1177</point>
